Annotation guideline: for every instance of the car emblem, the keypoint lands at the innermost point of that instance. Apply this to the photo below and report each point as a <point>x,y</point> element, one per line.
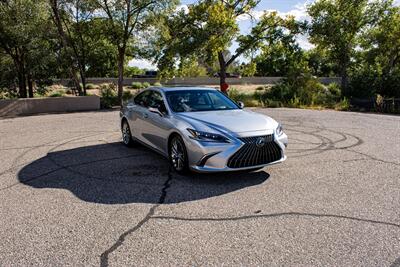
<point>260,142</point>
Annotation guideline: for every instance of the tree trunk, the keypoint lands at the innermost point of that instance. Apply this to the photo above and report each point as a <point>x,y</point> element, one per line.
<point>121,59</point>
<point>344,80</point>
<point>83,80</point>
<point>21,80</point>
<point>75,79</point>
<point>22,84</point>
<point>222,72</point>
<point>30,85</point>
<point>65,43</point>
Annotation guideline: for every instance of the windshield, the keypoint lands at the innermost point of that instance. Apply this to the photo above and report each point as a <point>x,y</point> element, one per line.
<point>199,100</point>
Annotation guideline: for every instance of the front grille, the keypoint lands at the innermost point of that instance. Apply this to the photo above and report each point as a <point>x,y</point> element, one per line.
<point>253,154</point>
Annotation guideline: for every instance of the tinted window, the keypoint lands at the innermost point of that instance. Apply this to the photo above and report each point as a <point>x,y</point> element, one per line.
<point>199,100</point>
<point>142,99</point>
<point>155,99</point>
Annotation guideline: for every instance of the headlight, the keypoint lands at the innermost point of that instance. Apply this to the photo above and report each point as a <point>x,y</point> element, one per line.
<point>279,130</point>
<point>207,137</point>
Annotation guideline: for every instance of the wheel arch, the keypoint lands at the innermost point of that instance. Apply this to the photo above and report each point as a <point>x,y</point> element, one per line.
<point>123,119</point>
<point>174,133</point>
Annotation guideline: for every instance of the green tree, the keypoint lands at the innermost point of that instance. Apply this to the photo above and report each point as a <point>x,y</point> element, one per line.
<point>101,55</point>
<point>191,67</point>
<point>249,69</point>
<point>319,63</point>
<point>126,17</point>
<point>336,26</point>
<point>382,42</point>
<point>58,7</point>
<point>377,69</point>
<point>209,29</point>
<point>130,71</point>
<point>22,25</point>
<point>277,58</point>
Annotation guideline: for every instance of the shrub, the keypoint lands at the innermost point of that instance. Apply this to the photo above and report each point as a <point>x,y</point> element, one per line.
<point>248,99</point>
<point>343,105</point>
<point>146,85</point>
<point>42,90</point>
<point>109,96</point>
<point>58,93</point>
<point>334,89</point>
<point>273,104</point>
<point>7,94</point>
<point>157,84</point>
<point>303,90</point>
<point>127,95</point>
<point>90,86</point>
<point>137,85</point>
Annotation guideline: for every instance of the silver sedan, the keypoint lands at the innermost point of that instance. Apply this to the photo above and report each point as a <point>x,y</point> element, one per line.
<point>202,130</point>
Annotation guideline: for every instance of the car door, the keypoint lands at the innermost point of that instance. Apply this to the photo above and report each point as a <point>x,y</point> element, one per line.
<point>156,126</point>
<point>136,111</point>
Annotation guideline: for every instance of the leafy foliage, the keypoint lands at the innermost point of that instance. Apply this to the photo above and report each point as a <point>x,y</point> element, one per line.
<point>109,96</point>
<point>137,85</point>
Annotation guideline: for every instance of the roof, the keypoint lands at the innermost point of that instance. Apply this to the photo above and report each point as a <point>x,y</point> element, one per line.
<point>169,89</point>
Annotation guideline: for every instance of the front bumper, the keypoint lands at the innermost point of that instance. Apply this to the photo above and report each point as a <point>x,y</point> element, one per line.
<point>213,157</point>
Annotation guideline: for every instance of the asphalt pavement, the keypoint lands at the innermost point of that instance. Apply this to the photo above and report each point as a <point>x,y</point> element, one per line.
<point>72,195</point>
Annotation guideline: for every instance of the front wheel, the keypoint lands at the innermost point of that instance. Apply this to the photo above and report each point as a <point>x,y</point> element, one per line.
<point>126,134</point>
<point>178,155</point>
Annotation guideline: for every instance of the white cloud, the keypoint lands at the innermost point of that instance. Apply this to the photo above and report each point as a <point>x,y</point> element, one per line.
<point>142,63</point>
<point>303,42</point>
<point>185,8</point>
<point>299,12</point>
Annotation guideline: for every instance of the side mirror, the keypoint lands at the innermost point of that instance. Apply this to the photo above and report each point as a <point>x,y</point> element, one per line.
<point>155,110</point>
<point>160,110</point>
<point>241,104</point>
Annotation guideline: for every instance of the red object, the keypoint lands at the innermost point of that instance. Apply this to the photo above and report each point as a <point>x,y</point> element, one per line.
<point>224,87</point>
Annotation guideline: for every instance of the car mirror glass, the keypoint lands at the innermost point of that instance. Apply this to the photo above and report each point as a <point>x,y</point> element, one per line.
<point>155,110</point>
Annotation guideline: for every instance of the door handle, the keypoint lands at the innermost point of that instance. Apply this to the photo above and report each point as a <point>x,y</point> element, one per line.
<point>145,115</point>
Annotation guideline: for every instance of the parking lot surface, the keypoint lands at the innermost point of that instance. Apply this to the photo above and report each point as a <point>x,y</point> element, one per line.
<point>72,195</point>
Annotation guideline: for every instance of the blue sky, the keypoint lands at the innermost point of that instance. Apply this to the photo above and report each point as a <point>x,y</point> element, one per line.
<point>284,7</point>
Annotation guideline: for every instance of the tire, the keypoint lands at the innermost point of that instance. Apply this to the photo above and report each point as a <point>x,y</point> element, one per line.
<point>178,156</point>
<point>127,134</point>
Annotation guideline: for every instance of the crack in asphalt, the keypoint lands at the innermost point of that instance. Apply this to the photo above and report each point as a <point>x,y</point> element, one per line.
<point>274,215</point>
<point>104,258</point>
<point>369,157</point>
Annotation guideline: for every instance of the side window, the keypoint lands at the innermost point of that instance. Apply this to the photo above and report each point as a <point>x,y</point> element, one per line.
<point>142,99</point>
<point>155,99</point>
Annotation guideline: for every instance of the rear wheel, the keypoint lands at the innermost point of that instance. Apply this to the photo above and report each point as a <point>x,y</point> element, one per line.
<point>178,155</point>
<point>126,134</point>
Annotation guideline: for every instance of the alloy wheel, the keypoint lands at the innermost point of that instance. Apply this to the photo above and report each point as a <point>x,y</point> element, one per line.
<point>178,155</point>
<point>126,133</point>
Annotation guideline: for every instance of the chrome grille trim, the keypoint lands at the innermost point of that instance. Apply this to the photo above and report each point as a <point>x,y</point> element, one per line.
<point>252,155</point>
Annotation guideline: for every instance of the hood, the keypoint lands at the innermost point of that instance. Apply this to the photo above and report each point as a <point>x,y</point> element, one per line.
<point>236,121</point>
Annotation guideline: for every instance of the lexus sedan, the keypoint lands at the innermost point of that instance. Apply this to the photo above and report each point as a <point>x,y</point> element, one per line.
<point>202,130</point>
